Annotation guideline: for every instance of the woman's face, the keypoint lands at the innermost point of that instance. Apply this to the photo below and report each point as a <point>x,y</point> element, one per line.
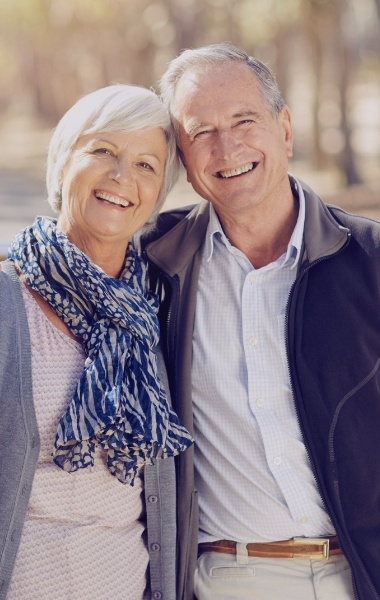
<point>110,185</point>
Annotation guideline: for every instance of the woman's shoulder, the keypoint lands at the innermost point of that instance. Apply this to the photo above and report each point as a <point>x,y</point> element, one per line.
<point>6,266</point>
<point>8,271</point>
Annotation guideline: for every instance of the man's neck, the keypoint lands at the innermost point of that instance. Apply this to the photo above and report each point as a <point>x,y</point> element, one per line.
<point>262,238</point>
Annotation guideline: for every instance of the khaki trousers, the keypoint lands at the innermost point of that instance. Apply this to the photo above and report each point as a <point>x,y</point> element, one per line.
<point>229,577</point>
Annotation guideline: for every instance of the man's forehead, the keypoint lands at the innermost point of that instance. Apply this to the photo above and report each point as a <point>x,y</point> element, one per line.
<point>202,80</point>
<point>202,96</point>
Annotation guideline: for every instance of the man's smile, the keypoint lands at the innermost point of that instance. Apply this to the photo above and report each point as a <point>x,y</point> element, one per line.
<point>238,171</point>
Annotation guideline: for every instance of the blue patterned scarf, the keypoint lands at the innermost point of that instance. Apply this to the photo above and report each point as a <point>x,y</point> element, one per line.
<point>119,401</point>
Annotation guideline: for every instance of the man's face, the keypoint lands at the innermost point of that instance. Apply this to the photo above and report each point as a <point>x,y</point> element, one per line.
<point>234,150</point>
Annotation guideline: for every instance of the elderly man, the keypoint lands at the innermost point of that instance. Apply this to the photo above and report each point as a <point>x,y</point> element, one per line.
<point>271,325</point>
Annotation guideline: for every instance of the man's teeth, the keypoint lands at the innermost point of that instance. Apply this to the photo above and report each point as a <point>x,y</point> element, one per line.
<point>237,171</point>
<point>112,199</point>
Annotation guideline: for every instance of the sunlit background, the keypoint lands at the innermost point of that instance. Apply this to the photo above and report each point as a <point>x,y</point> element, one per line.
<point>325,53</point>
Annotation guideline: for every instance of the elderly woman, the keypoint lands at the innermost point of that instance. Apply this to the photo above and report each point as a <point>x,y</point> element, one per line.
<point>83,405</point>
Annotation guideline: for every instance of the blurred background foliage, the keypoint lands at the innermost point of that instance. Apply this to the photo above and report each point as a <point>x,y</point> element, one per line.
<point>325,53</point>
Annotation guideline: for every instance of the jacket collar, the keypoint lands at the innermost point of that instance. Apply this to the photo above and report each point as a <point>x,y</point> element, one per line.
<point>176,248</point>
<point>323,235</point>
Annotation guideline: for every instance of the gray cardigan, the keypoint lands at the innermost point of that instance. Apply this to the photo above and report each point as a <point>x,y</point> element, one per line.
<point>19,449</point>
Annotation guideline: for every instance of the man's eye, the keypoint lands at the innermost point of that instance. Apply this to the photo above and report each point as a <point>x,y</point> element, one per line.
<point>201,133</point>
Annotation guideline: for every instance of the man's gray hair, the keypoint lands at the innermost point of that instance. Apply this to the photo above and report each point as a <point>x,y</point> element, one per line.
<point>212,56</point>
<point>116,108</point>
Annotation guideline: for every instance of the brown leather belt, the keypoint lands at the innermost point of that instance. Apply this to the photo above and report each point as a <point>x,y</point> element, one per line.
<point>294,548</point>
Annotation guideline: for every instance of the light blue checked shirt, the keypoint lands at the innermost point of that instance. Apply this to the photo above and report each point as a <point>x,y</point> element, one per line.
<point>252,471</point>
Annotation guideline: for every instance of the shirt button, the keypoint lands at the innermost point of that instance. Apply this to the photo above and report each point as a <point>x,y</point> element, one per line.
<point>277,460</point>
<point>252,278</point>
<point>152,499</point>
<point>252,341</point>
<point>157,595</point>
<point>155,547</point>
<point>260,402</point>
<point>304,520</point>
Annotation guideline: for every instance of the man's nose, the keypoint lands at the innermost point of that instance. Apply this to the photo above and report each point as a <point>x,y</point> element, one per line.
<point>227,144</point>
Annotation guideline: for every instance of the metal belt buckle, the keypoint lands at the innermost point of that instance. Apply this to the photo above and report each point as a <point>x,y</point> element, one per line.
<point>324,542</point>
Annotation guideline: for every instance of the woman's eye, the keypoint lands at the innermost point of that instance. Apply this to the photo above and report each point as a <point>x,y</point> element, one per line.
<point>104,151</point>
<point>146,166</point>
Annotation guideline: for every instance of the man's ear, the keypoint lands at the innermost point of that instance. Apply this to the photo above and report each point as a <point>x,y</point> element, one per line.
<point>181,156</point>
<point>286,123</point>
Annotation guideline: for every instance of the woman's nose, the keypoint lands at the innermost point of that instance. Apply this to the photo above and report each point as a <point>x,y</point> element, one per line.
<point>122,171</point>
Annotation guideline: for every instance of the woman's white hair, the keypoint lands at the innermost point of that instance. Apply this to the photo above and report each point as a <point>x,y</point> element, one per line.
<point>116,108</point>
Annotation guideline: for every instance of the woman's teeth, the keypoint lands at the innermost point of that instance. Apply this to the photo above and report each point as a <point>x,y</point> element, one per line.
<point>112,199</point>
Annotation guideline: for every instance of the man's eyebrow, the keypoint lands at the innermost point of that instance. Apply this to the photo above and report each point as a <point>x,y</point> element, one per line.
<point>246,113</point>
<point>239,115</point>
<point>195,127</point>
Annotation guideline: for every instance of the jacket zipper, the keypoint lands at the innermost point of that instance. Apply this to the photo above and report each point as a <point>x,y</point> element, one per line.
<point>296,281</point>
<point>170,332</point>
<point>311,461</point>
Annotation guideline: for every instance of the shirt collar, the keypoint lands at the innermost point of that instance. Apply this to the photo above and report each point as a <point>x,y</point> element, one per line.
<point>293,252</point>
<point>295,243</point>
<point>214,228</point>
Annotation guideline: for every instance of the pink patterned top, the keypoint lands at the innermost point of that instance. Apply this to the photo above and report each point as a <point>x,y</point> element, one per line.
<point>83,536</point>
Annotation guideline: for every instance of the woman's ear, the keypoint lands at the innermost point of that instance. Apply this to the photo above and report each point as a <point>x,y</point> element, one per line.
<point>60,178</point>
